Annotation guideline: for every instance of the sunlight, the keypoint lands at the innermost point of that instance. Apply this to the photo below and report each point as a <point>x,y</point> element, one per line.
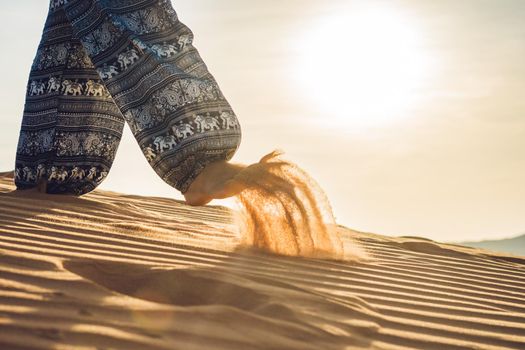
<point>362,66</point>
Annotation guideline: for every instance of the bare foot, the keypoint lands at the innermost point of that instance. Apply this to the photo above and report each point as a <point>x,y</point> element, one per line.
<point>216,181</point>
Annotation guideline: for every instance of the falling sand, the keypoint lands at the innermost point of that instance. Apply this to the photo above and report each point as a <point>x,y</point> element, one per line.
<point>284,211</point>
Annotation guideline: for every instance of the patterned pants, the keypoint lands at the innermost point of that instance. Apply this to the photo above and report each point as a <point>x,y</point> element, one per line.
<point>102,63</point>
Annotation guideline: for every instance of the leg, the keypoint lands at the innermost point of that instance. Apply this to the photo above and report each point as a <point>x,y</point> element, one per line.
<point>71,127</point>
<point>165,92</point>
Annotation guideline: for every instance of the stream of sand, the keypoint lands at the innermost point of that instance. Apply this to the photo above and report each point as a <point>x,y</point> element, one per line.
<point>284,211</point>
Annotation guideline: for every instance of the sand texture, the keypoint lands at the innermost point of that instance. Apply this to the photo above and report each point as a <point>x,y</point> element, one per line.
<point>114,271</point>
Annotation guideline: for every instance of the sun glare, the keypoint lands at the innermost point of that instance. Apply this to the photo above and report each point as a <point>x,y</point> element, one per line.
<point>363,66</point>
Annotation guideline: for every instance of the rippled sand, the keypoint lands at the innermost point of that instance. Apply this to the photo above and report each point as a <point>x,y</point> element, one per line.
<point>113,271</point>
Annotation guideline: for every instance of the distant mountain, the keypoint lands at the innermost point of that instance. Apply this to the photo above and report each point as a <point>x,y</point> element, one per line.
<point>514,245</point>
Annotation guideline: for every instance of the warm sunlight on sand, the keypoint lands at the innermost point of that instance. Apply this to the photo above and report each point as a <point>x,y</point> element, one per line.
<point>363,66</point>
<point>114,271</point>
<point>284,211</point>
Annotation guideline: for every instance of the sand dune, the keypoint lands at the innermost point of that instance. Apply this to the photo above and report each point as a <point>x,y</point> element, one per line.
<point>113,271</point>
<point>514,245</point>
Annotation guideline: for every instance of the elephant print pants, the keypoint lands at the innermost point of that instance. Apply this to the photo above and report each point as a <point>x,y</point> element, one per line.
<point>102,63</point>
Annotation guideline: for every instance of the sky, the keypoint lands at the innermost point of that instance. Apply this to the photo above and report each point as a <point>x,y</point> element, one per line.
<point>410,114</point>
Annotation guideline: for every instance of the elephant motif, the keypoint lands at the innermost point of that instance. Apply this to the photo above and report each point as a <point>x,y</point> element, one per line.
<point>101,176</point>
<point>107,72</point>
<point>229,121</point>
<point>59,175</point>
<point>40,171</point>
<point>183,131</point>
<point>126,59</point>
<point>36,88</point>
<point>149,153</point>
<point>139,44</point>
<point>164,50</point>
<point>165,142</point>
<point>184,40</point>
<point>206,123</point>
<point>71,88</point>
<point>28,174</point>
<point>77,173</point>
<point>53,85</point>
<point>91,174</point>
<point>95,89</point>
<point>18,174</point>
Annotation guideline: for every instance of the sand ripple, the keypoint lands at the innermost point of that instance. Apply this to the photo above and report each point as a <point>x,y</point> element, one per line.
<point>111,271</point>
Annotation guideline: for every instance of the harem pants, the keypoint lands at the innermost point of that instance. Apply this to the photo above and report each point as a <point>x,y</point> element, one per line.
<point>101,63</point>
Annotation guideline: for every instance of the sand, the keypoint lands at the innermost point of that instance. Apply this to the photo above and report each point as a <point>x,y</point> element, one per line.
<point>282,210</point>
<point>114,271</point>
